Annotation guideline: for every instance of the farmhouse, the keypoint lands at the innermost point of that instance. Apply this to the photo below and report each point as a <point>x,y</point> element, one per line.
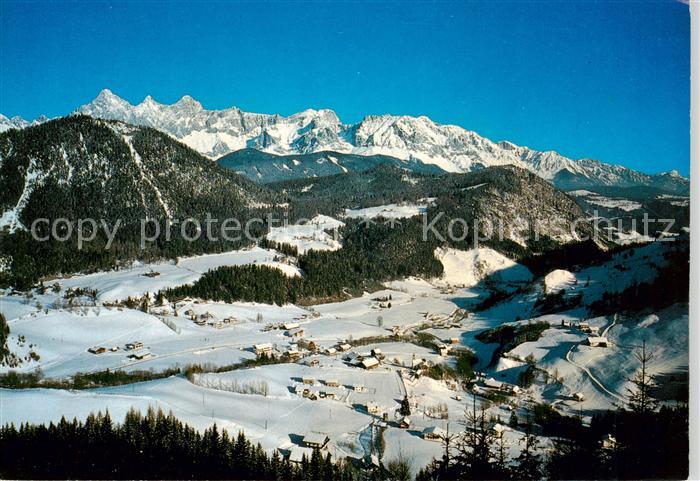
<point>358,388</point>
<point>344,346</point>
<point>330,351</point>
<point>584,326</point>
<point>141,354</point>
<point>405,422</point>
<point>370,363</point>
<point>434,433</point>
<point>315,440</point>
<point>97,350</point>
<point>200,322</point>
<point>443,350</point>
<point>265,348</point>
<point>327,394</point>
<point>296,333</point>
<point>596,341</point>
<point>372,407</point>
<point>134,345</point>
<point>578,396</point>
<point>308,380</point>
<point>288,326</point>
<point>332,383</point>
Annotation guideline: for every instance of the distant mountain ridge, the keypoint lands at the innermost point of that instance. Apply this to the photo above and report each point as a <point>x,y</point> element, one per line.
<point>215,133</point>
<point>265,167</point>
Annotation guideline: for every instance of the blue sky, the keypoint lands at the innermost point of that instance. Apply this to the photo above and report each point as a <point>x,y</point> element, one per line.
<point>607,80</point>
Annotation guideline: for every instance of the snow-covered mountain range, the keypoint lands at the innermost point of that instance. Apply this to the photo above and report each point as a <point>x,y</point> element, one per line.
<point>215,133</point>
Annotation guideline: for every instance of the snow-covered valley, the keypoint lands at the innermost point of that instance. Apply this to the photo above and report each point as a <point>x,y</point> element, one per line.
<point>319,384</point>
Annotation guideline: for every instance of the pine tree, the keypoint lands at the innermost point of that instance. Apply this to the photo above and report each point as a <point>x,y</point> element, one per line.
<point>528,462</point>
<point>405,409</point>
<point>513,421</point>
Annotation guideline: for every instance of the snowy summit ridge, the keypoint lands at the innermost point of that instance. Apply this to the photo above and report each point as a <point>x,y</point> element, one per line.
<point>215,133</point>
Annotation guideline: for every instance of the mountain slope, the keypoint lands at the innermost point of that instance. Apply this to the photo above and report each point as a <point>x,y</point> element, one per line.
<point>527,213</point>
<point>266,167</point>
<point>449,147</point>
<point>80,167</point>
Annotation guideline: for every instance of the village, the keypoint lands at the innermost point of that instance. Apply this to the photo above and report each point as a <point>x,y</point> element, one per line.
<point>402,364</point>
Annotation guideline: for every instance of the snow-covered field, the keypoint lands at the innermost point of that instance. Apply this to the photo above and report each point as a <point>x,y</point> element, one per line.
<point>608,202</point>
<point>309,235</point>
<point>60,334</point>
<point>135,281</point>
<point>469,268</point>
<point>389,211</point>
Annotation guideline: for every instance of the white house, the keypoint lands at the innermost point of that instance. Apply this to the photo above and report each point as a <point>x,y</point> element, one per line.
<point>597,341</point>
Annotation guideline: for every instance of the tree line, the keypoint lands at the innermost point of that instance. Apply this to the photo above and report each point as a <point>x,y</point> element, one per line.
<point>371,253</point>
<point>154,446</point>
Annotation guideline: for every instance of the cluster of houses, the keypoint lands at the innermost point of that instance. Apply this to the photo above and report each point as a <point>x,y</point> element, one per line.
<point>445,348</point>
<point>130,346</point>
<point>136,350</point>
<point>305,389</point>
<point>101,349</point>
<point>208,319</point>
<point>500,386</point>
<point>594,338</point>
<point>372,361</point>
